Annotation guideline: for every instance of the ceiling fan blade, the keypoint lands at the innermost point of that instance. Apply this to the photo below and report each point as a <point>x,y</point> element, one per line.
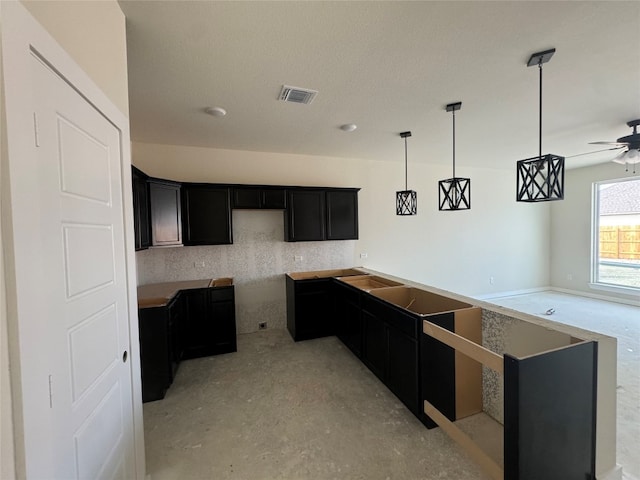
<point>595,151</point>
<point>620,144</point>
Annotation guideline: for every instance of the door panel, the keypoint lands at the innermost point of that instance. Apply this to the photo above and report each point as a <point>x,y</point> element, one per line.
<point>79,201</point>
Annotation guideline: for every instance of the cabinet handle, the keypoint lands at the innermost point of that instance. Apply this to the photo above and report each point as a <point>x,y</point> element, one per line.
<point>124,356</point>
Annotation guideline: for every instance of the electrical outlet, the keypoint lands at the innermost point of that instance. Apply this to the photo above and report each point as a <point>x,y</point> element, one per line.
<point>297,258</point>
<point>491,280</point>
<point>363,255</point>
<point>569,276</point>
<point>262,325</point>
<point>199,264</point>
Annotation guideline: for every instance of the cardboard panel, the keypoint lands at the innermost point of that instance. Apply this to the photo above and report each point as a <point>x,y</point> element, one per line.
<point>468,324</point>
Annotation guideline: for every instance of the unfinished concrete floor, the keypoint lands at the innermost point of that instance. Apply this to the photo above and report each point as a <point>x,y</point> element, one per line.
<point>283,410</point>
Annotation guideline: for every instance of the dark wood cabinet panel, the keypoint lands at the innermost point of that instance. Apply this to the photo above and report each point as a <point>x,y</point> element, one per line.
<point>342,214</point>
<point>274,198</point>
<point>259,198</point>
<point>305,215</point>
<point>141,222</point>
<point>166,219</point>
<point>206,213</point>
<point>402,371</point>
<point>160,347</point>
<point>210,325</point>
<point>310,308</point>
<point>375,344</point>
<point>348,317</point>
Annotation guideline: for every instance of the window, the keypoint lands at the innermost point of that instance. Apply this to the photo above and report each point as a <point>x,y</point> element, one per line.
<point>616,236</point>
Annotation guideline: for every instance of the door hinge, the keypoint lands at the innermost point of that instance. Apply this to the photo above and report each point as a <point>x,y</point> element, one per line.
<point>36,130</point>
<point>50,391</point>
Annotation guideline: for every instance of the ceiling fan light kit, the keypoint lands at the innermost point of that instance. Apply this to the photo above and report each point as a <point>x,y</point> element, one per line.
<point>630,156</point>
<point>454,193</point>
<point>406,200</point>
<point>541,178</point>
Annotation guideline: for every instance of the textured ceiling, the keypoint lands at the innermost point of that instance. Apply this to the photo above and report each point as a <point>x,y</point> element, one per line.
<point>387,66</point>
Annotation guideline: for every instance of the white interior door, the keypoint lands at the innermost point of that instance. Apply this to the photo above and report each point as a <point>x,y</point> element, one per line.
<point>78,197</point>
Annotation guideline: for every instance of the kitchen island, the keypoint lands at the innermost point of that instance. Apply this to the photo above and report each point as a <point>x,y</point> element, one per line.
<point>528,373</point>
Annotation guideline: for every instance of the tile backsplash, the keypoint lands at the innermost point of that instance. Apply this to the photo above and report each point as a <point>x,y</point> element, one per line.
<point>257,261</point>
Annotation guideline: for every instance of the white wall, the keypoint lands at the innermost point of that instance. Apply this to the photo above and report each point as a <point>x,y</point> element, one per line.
<point>571,229</point>
<point>457,251</point>
<point>93,33</point>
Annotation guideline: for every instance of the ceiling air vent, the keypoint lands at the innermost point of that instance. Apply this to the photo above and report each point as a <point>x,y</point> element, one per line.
<point>297,95</point>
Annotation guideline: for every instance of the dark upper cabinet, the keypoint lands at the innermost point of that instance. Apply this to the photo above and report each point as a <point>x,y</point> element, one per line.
<point>321,214</point>
<point>259,197</point>
<point>206,215</point>
<point>166,220</point>
<point>342,214</point>
<point>305,215</point>
<point>141,212</point>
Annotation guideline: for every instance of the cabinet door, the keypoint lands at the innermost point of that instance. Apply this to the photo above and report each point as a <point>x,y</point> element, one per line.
<point>141,210</point>
<point>273,198</point>
<point>155,352</point>
<point>196,337</point>
<point>207,215</point>
<point>402,368</point>
<point>305,216</point>
<point>166,224</point>
<point>342,215</point>
<point>247,197</point>
<point>223,327</point>
<point>437,367</point>
<point>374,346</point>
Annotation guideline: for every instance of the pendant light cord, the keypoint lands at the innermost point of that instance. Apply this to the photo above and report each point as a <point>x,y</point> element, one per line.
<point>453,112</point>
<point>540,114</point>
<point>405,163</point>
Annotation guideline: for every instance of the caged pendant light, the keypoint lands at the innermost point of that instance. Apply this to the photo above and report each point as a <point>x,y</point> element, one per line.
<point>454,193</point>
<point>541,178</point>
<point>406,200</point>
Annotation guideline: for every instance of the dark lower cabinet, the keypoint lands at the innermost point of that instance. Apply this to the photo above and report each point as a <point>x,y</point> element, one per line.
<point>160,347</point>
<point>210,323</point>
<point>310,308</point>
<point>390,349</point>
<point>348,317</point>
<point>402,368</point>
<point>375,345</point>
<point>196,323</point>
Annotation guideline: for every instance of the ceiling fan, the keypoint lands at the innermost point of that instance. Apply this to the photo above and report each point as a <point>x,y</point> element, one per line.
<point>631,145</point>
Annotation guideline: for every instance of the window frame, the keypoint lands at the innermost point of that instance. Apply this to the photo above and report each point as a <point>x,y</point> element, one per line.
<point>595,283</point>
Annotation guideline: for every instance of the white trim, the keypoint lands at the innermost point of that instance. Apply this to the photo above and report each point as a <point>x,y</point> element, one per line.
<point>511,293</point>
<point>635,303</point>
<point>20,34</point>
<point>614,474</point>
<point>607,287</point>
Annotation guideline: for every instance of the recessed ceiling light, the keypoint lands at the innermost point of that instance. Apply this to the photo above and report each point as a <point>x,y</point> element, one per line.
<point>348,127</point>
<point>215,111</point>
